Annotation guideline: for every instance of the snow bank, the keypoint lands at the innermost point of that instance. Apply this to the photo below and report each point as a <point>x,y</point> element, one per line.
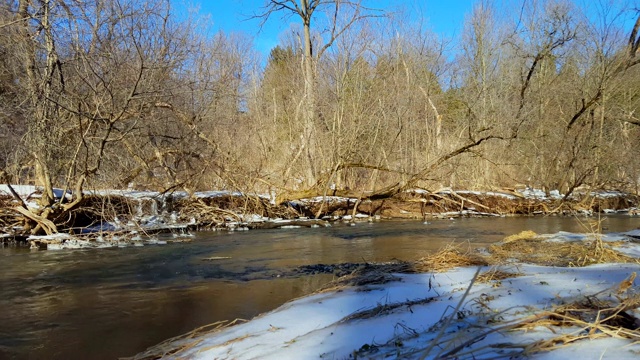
<point>402,318</point>
<point>398,318</point>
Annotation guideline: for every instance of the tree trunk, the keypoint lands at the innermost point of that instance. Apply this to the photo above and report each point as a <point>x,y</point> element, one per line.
<point>308,111</point>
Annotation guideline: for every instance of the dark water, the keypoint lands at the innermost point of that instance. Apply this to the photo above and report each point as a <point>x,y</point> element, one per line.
<point>109,303</point>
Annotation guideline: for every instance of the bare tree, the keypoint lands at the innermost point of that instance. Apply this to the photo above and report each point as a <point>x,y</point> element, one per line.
<point>306,11</point>
<point>93,74</point>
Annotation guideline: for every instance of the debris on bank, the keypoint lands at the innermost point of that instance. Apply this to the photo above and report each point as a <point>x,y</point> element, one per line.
<point>122,216</point>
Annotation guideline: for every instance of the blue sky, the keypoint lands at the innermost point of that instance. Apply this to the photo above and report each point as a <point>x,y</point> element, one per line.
<point>444,17</point>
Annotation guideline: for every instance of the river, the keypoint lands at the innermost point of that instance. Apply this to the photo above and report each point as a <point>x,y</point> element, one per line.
<point>110,303</point>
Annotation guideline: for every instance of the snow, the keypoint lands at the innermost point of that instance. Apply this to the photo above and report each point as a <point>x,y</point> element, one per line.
<point>132,194</point>
<point>555,194</point>
<point>489,193</point>
<point>145,194</point>
<point>399,319</point>
<point>607,194</point>
<point>215,194</point>
<point>61,241</point>
<point>530,193</point>
<point>26,191</point>
<point>22,190</point>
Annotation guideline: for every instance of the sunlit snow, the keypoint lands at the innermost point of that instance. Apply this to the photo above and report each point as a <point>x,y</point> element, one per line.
<point>401,319</point>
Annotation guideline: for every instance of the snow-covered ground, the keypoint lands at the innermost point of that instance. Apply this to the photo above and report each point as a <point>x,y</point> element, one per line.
<point>454,314</point>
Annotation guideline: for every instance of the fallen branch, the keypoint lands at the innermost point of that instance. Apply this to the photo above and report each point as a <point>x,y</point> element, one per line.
<point>47,225</point>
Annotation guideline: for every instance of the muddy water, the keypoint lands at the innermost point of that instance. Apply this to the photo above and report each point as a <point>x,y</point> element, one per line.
<point>104,304</point>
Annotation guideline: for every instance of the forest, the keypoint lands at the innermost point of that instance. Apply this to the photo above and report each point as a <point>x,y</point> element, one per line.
<point>355,100</point>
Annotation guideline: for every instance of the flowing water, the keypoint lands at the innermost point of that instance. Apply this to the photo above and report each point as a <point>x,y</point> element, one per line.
<point>110,303</point>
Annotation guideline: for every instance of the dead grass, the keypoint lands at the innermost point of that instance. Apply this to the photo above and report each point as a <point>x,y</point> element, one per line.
<point>523,235</point>
<point>549,253</point>
<point>496,274</point>
<point>593,317</point>
<point>385,309</point>
<point>184,342</point>
<point>448,258</point>
<point>369,274</point>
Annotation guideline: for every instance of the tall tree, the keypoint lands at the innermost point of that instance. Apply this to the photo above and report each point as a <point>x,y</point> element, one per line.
<point>340,16</point>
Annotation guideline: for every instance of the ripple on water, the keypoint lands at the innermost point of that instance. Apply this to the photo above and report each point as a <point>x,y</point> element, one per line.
<point>109,303</point>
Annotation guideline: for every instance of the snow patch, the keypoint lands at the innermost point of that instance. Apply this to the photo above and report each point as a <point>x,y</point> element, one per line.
<point>397,318</point>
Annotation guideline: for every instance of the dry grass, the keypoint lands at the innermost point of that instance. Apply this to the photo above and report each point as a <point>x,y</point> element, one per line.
<point>594,318</point>
<point>369,274</point>
<point>182,343</point>
<point>385,309</point>
<point>523,235</point>
<point>496,274</point>
<point>551,253</point>
<point>448,258</point>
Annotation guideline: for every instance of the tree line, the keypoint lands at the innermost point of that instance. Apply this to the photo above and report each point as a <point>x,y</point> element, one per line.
<point>354,100</point>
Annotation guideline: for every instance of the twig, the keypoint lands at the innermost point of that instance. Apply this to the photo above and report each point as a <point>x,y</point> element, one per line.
<point>450,318</point>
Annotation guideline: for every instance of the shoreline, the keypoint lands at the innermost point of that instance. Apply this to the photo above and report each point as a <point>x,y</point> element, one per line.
<point>135,218</point>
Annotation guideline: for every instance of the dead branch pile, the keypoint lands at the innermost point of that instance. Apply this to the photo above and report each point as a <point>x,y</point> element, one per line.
<point>8,217</point>
<point>95,209</point>
<point>213,211</point>
<point>331,207</point>
<point>415,205</point>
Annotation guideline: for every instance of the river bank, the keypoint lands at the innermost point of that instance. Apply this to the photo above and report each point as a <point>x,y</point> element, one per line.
<point>111,218</point>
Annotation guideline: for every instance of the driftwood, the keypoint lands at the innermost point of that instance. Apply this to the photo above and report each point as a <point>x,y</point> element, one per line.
<point>45,224</point>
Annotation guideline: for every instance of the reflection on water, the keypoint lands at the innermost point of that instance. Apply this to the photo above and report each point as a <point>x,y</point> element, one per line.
<point>102,304</point>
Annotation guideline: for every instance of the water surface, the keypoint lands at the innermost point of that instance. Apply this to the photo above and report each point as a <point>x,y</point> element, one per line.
<point>109,303</point>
